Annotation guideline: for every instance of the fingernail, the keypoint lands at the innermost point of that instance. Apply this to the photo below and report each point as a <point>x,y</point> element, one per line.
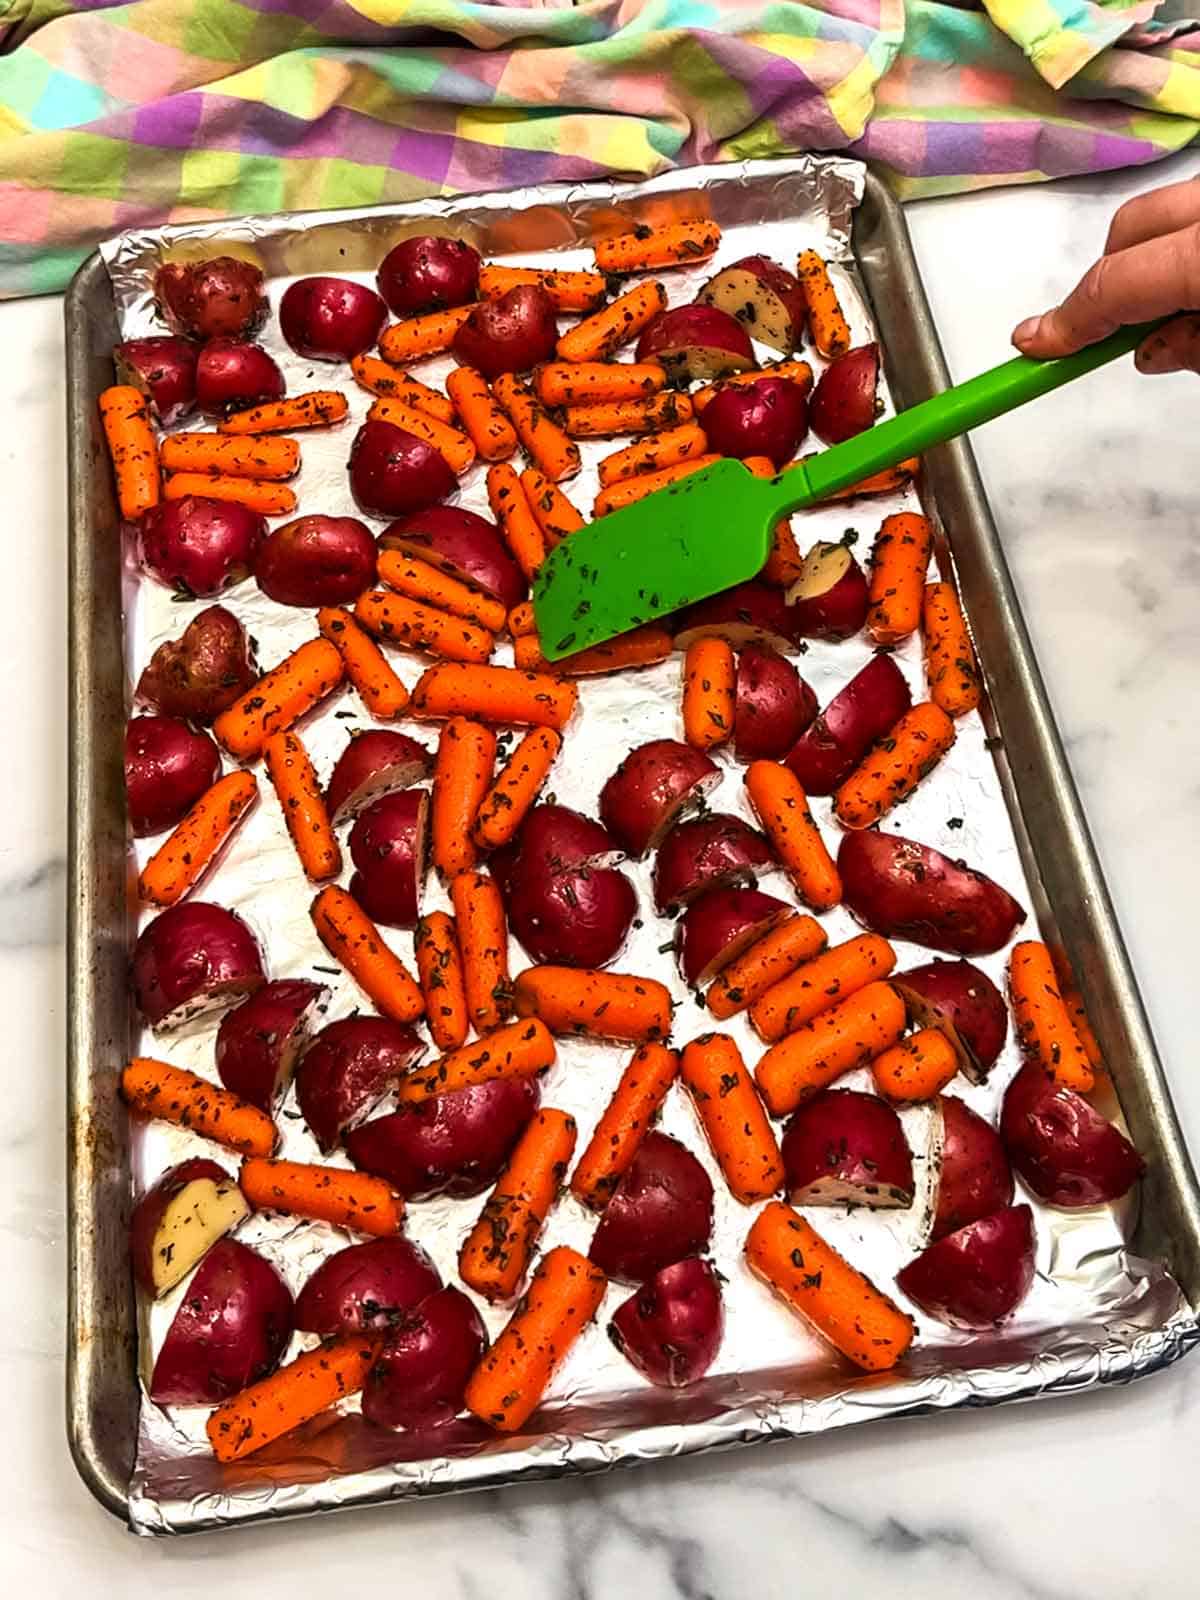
<point>1027,331</point>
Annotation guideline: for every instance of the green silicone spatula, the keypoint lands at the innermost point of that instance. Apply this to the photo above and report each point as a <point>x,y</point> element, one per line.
<point>713,529</point>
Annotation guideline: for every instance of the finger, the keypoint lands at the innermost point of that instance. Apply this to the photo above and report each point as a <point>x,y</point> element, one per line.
<point>1151,215</point>
<point>1173,348</point>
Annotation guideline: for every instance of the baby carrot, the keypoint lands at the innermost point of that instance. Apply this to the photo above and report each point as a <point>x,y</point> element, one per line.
<point>273,1406</point>
<point>421,336</point>
<point>279,699</point>
<point>517,1050</point>
<point>782,807</point>
<point>782,566</point>
<point>546,445</point>
<point>709,674</point>
<point>916,1069</point>
<point>898,562</point>
<point>379,688</point>
<point>377,377</point>
<point>172,1094</point>
<point>593,383</point>
<point>950,663</point>
<point>760,466</point>
<point>675,244</point>
<point>893,769</point>
<point>439,967</point>
<point>454,447</point>
<point>885,482</point>
<point>624,1123</point>
<point>494,694</point>
<point>510,1380</point>
<point>650,415</point>
<point>820,982</point>
<point>462,775</point>
<point>764,964</point>
<point>598,336</point>
<point>797,372</point>
<point>488,429</point>
<point>353,940</point>
<point>835,1041</point>
<point>652,455</point>
<point>640,647</point>
<point>247,456</point>
<point>835,1298</point>
<point>1043,1024</point>
<point>295,781</point>
<point>604,1005</point>
<point>322,1194</point>
<point>518,526</point>
<point>317,409</point>
<point>130,440</point>
<point>268,499</point>
<point>404,565</point>
<point>483,940</point>
<point>826,321</point>
<point>521,620</point>
<point>504,807</point>
<point>735,1124</point>
<point>555,514</point>
<point>1073,1001</point>
<point>628,490</point>
<point>570,291</point>
<point>182,860</point>
<point>496,1252</point>
<point>419,627</point>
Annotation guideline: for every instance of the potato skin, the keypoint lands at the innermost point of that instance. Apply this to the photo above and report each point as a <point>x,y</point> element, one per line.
<point>316,561</point>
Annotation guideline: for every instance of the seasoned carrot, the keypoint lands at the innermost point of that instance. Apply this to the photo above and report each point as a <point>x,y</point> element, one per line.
<point>504,807</point>
<point>885,482</point>
<point>820,982</point>
<point>404,569</point>
<point>377,377</point>
<point>1073,1001</point>
<point>295,782</point>
<point>517,1050</point>
<point>593,383</point>
<point>353,939</point>
<point>640,647</point>
<point>835,1298</point>
<point>826,321</point>
<point>652,455</point>
<point>628,490</point>
<point>709,675</point>
<point>488,429</point>
<point>675,244</point>
<point>317,409</point>
<point>624,1123</point>
<point>521,620</point>
<point>322,1194</point>
<point>417,337</point>
<point>760,466</point>
<point>563,1297</point>
<point>570,291</point>
<point>268,499</point>
<point>835,1041</point>
<point>950,665</point>
<point>898,562</point>
<point>604,1005</point>
<point>462,775</point>
<point>494,694</point>
<point>546,445</point>
<point>379,687</point>
<point>767,961</point>
<point>916,1069</point>
<point>130,439</point>
<point>496,1252</point>
<point>797,372</point>
<point>182,860</point>
<point>483,940</point>
<point>650,415</point>
<point>783,565</point>
<point>893,769</point>
<point>782,807</point>
<point>1043,1025</point>
<point>555,514</point>
<point>735,1124</point>
<point>172,1094</point>
<point>439,967</point>
<point>279,699</point>
<point>408,622</point>
<point>454,447</point>
<point>598,336</point>
<point>519,527</point>
<point>297,1393</point>
<point>245,456</point>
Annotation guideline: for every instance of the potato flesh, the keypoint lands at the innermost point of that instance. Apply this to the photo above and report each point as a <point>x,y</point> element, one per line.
<point>200,1214</point>
<point>759,309</point>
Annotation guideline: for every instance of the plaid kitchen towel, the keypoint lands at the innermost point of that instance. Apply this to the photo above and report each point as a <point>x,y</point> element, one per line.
<point>120,115</point>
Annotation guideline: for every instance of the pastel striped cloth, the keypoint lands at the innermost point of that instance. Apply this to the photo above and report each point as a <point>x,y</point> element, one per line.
<point>116,115</point>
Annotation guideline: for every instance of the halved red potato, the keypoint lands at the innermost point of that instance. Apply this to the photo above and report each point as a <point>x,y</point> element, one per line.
<point>420,1377</point>
<point>347,1070</point>
<point>670,1329</point>
<point>574,916</point>
<point>976,1277</point>
<point>198,546</point>
<point>376,762</point>
<point>366,1286</point>
<point>555,837</point>
<point>258,1042</point>
<point>168,766</point>
<point>965,1004</point>
<point>974,1177</point>
<point>466,546</point>
<point>764,297</point>
<point>163,367</point>
<point>650,788</point>
<point>906,890</point>
<point>697,341</point>
<point>846,1148</point>
<point>221,298</point>
<point>330,319</point>
<point>428,272</point>
<point>511,333</point>
<point>846,398</point>
<point>830,598</point>
<point>767,418</point>
<point>660,1212</point>
<point>393,473</point>
<point>773,704</point>
<point>192,959</point>
<point>1060,1145</point>
<point>716,928</point>
<point>750,613</point>
<point>316,561</point>
<point>705,853</point>
<point>388,846</point>
<point>830,748</point>
<point>202,673</point>
<point>232,375</point>
<point>179,1219</point>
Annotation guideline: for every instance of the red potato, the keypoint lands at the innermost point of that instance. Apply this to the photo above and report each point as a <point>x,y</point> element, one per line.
<point>428,273</point>
<point>572,917</point>
<point>420,1377</point>
<point>976,1277</point>
<point>650,788</point>
<point>330,319</point>
<point>232,1326</point>
<point>168,766</point>
<point>393,473</point>
<point>1061,1147</point>
<point>376,762</point>
<point>202,673</point>
<point>555,837</point>
<point>316,561</point>
<point>830,598</point>
<point>179,1220</point>
<point>831,747</point>
<point>767,418</point>
<point>906,890</point>
<point>455,1144</point>
<point>199,546</point>
<point>163,368</point>
<point>846,1148</point>
<point>347,1070</point>
<point>193,958</point>
<point>509,334</point>
<point>974,1177</point>
<point>696,341</point>
<point>217,299</point>
<point>467,546</point>
<point>670,1329</point>
<point>846,399</point>
<point>388,846</point>
<point>259,1042</point>
<point>965,1004</point>
<point>232,375</point>
<point>749,613</point>
<point>716,928</point>
<point>660,1212</point>
<point>773,704</point>
<point>764,297</point>
<point>709,852</point>
<point>366,1287</point>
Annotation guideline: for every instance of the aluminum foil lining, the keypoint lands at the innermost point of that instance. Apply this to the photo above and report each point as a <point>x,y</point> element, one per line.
<point>1095,1313</point>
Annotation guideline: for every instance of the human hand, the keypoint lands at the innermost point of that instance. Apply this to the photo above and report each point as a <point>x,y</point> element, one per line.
<point>1150,268</point>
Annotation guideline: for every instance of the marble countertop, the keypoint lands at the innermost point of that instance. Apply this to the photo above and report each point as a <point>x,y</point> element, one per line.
<point>1096,500</point>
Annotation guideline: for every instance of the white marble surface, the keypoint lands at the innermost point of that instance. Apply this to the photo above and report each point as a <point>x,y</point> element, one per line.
<point>1091,1497</point>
